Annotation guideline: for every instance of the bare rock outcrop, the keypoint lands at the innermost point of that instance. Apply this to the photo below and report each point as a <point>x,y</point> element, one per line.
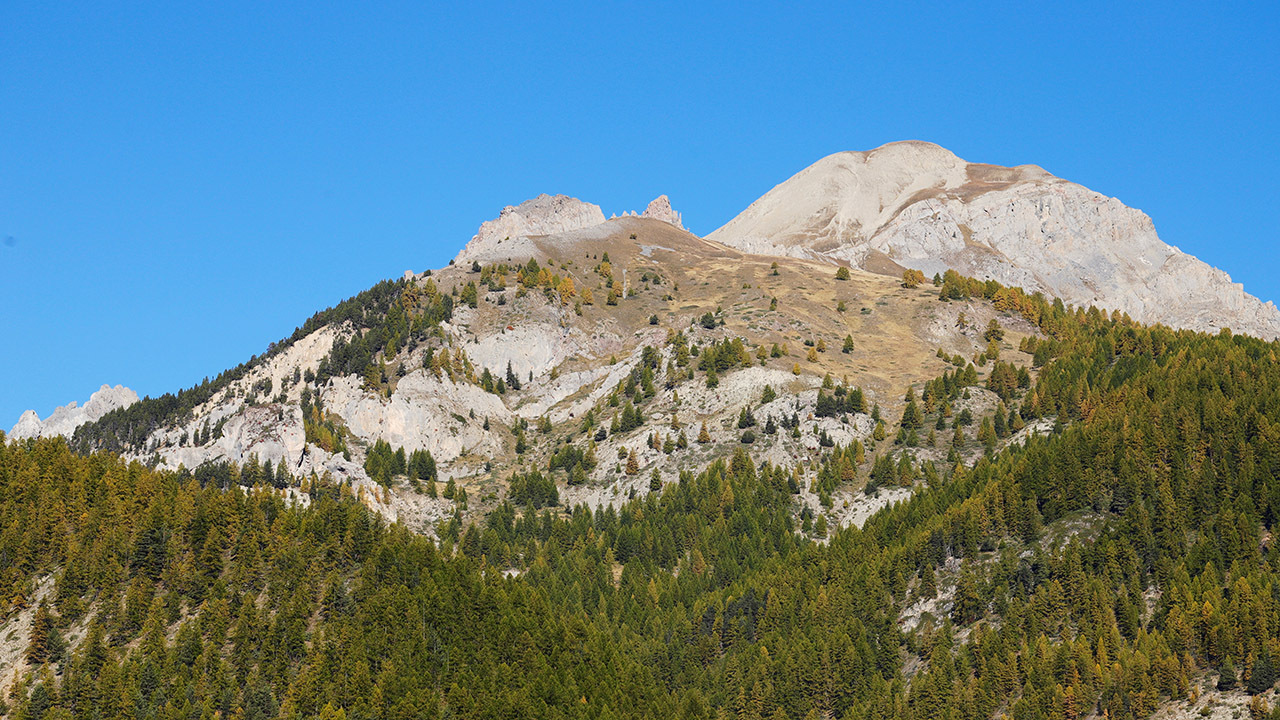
<point>423,413</point>
<point>64,420</point>
<point>28,426</point>
<point>924,208</point>
<point>271,433</point>
<point>660,209</point>
<point>507,235</point>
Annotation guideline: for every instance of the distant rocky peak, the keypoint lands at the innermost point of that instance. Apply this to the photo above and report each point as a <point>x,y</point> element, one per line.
<point>660,209</point>
<point>507,234</point>
<point>65,419</point>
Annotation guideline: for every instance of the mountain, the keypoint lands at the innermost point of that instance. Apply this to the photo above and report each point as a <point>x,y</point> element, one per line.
<point>607,468</point>
<point>917,205</point>
<point>567,303</point>
<point>576,309</point>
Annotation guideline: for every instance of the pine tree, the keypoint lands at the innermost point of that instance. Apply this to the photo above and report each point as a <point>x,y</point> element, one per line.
<point>513,382</point>
<point>987,435</point>
<point>928,583</point>
<point>912,417</point>
<point>704,437</point>
<point>633,464</point>
<point>38,645</point>
<point>968,604</point>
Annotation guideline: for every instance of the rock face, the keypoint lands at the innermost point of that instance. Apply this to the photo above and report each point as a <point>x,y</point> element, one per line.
<point>28,426</point>
<point>269,434</point>
<point>424,413</point>
<point>67,418</point>
<point>660,209</point>
<point>507,235</point>
<point>923,207</point>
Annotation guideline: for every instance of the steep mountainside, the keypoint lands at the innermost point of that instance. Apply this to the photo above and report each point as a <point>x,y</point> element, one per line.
<point>920,206</point>
<point>578,318</point>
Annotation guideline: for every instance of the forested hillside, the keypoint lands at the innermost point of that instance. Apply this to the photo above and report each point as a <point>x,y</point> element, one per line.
<point>1121,561</point>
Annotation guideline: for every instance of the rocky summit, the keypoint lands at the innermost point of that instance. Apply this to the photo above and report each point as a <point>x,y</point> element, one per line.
<point>508,233</point>
<point>660,209</point>
<point>65,419</point>
<point>917,205</point>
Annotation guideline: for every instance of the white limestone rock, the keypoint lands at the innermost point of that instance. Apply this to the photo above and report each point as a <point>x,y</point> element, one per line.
<point>925,208</point>
<point>270,433</point>
<point>65,419</point>
<point>530,348</point>
<point>28,426</point>
<point>422,413</point>
<point>660,209</point>
<point>506,236</point>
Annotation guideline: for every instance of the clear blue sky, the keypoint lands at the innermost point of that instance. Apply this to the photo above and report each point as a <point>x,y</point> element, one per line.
<point>183,183</point>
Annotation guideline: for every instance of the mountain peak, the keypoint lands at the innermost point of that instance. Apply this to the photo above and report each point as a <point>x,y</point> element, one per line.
<point>506,235</point>
<point>65,419</point>
<point>660,209</point>
<point>925,208</point>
